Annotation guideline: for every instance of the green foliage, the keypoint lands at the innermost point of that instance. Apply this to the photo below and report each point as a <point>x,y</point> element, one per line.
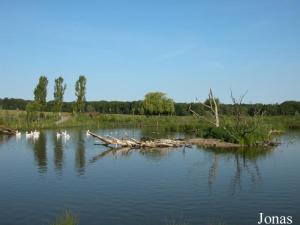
<point>217,133</point>
<point>188,124</point>
<point>59,91</point>
<point>247,135</point>
<point>181,109</point>
<point>32,110</point>
<point>40,93</point>
<point>208,101</point>
<point>80,91</point>
<point>90,108</point>
<point>156,103</point>
<point>68,218</point>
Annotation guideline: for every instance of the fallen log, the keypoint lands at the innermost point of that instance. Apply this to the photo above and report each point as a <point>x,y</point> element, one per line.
<point>7,131</point>
<point>170,143</point>
<point>109,140</point>
<point>132,143</point>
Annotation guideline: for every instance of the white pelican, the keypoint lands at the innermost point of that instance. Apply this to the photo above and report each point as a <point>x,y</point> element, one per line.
<point>36,133</point>
<point>18,134</point>
<point>63,134</point>
<point>28,135</point>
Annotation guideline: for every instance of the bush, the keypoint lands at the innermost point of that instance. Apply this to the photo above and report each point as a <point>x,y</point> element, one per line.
<point>218,133</point>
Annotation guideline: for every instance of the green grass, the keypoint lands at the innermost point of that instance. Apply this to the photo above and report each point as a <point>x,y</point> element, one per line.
<point>187,124</point>
<point>18,120</point>
<point>68,218</point>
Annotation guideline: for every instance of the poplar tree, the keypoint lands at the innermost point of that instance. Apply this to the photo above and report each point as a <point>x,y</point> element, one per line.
<point>40,93</point>
<point>80,91</point>
<point>59,91</point>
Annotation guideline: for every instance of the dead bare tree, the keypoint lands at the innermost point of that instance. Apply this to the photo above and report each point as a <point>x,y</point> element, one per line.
<point>212,105</point>
<point>242,125</point>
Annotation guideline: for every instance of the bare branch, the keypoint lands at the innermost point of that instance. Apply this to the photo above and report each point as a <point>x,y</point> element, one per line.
<point>213,109</point>
<point>199,116</point>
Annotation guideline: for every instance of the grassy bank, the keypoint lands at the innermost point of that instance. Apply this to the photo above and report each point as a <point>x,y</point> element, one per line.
<point>186,124</point>
<point>18,120</point>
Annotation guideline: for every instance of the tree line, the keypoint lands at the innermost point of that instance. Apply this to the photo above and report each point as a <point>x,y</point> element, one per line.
<point>154,103</point>
<point>135,107</point>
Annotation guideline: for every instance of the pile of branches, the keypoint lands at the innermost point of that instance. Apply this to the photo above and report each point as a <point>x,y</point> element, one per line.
<point>7,131</point>
<point>133,143</point>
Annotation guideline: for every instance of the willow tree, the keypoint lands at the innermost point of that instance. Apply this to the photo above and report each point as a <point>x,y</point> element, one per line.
<point>40,93</point>
<point>80,91</point>
<point>156,103</point>
<point>59,91</point>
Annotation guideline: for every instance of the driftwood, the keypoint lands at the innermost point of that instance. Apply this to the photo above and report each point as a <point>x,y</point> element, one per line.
<point>7,131</point>
<point>132,143</point>
<point>160,143</point>
<point>123,147</point>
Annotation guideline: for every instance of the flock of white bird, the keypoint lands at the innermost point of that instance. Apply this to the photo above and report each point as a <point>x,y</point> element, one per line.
<point>36,134</point>
<point>63,134</point>
<point>32,134</point>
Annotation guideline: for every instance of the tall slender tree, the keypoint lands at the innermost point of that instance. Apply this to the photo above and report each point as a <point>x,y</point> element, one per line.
<point>80,91</point>
<point>40,93</point>
<point>59,91</point>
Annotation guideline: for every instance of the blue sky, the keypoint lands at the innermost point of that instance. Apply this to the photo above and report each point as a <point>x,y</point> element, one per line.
<point>128,48</point>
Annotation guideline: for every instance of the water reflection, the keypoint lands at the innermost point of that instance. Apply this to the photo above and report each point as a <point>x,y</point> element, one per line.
<point>152,154</point>
<point>40,152</point>
<point>124,152</point>
<point>156,154</point>
<point>80,153</point>
<point>58,152</point>
<point>4,138</point>
<point>244,162</point>
<point>168,180</point>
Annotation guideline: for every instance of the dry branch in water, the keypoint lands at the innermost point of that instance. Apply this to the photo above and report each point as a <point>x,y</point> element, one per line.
<point>132,143</point>
<point>7,131</point>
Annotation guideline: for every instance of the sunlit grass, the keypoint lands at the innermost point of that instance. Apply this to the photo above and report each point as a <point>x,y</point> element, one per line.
<point>68,218</point>
<point>186,124</point>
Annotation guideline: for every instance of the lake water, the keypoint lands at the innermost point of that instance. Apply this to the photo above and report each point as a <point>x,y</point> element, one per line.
<point>41,179</point>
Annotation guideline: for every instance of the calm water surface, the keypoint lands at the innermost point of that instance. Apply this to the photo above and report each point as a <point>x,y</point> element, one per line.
<point>40,179</point>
